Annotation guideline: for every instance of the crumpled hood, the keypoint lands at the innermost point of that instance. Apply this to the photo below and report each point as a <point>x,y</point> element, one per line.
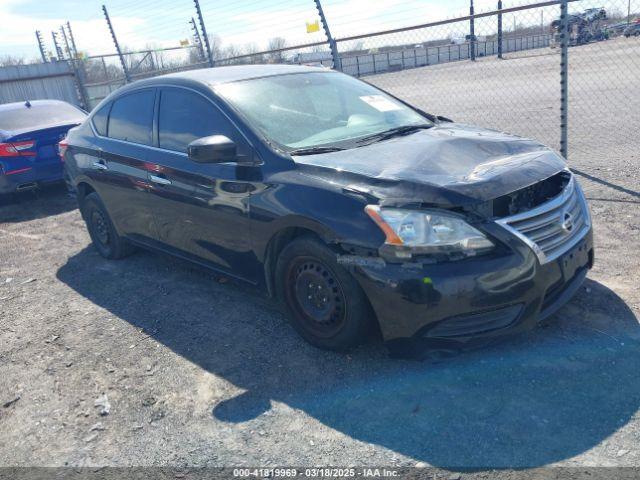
<point>449,163</point>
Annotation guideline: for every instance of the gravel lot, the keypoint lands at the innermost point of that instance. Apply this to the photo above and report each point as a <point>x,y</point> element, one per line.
<point>196,370</point>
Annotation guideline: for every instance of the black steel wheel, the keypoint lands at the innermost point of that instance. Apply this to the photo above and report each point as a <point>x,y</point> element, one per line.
<point>103,234</point>
<point>325,303</point>
<point>100,228</point>
<point>317,296</point>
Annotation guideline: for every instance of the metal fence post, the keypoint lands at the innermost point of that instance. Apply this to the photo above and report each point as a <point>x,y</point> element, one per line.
<point>73,41</point>
<point>337,64</point>
<point>66,42</point>
<point>472,33</point>
<point>41,46</point>
<point>82,70</point>
<point>205,37</point>
<point>56,45</point>
<point>564,77</point>
<point>198,38</point>
<point>500,29</point>
<point>115,41</point>
<point>71,61</point>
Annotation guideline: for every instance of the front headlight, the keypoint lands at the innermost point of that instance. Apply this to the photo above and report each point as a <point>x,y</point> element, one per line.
<point>411,232</point>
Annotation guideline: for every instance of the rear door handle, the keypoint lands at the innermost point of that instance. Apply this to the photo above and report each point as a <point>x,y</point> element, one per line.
<point>159,180</point>
<point>100,165</point>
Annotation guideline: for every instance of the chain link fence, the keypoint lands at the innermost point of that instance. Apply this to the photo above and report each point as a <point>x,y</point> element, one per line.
<point>496,63</point>
<point>604,81</point>
<point>505,76</point>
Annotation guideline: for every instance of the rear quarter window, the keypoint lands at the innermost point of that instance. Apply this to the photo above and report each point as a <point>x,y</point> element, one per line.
<point>100,119</point>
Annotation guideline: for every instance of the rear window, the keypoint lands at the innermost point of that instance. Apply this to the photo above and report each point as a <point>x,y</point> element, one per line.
<point>39,116</point>
<point>131,117</point>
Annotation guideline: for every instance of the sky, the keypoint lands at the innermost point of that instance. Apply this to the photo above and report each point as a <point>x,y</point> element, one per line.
<point>163,23</point>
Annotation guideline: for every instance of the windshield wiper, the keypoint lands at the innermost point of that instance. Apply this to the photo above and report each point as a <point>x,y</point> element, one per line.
<point>314,150</point>
<point>394,132</point>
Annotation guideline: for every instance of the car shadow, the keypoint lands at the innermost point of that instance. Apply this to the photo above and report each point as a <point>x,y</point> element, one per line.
<point>613,186</point>
<point>531,400</point>
<point>43,202</point>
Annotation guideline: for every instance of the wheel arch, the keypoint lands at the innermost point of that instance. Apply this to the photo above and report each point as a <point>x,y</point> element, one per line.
<point>84,188</point>
<point>285,235</point>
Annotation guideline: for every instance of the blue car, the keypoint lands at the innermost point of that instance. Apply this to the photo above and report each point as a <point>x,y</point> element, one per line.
<point>29,136</point>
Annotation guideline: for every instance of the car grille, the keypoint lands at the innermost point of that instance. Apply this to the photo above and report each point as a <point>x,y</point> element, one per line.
<point>554,227</point>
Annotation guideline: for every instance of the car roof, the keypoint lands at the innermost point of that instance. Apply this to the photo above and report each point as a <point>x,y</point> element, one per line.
<point>217,75</point>
<point>34,103</point>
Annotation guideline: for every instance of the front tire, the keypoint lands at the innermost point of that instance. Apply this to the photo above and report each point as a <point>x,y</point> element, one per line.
<point>103,234</point>
<point>325,304</point>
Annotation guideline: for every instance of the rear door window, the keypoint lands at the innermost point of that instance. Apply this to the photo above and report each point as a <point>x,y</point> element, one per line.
<point>186,116</point>
<point>131,117</point>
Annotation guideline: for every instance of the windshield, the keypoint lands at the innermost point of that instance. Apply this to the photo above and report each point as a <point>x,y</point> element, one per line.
<point>308,110</point>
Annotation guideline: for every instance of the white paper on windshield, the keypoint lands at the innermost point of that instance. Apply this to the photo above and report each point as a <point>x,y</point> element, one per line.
<point>380,103</point>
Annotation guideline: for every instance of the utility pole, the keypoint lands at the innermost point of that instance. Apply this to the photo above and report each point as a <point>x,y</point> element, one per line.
<point>59,51</point>
<point>337,64</point>
<point>204,34</point>
<point>499,28</point>
<point>197,38</point>
<point>115,41</point>
<point>472,34</point>
<point>41,46</point>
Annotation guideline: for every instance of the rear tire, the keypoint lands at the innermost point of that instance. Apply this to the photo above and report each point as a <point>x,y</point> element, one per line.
<point>103,234</point>
<point>325,304</point>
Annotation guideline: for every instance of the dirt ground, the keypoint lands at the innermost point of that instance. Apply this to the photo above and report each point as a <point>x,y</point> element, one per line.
<point>150,361</point>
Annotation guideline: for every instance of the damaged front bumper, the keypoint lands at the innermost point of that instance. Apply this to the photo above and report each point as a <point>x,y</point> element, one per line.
<point>475,298</point>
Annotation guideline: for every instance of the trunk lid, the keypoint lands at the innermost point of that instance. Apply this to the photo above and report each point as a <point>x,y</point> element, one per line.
<point>45,142</point>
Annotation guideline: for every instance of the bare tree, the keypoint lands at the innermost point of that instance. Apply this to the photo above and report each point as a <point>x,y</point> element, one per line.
<point>215,43</point>
<point>252,49</point>
<point>276,43</point>
<point>231,51</point>
<point>10,60</point>
<point>358,46</point>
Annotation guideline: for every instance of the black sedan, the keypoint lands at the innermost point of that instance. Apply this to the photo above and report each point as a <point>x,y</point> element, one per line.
<point>360,213</point>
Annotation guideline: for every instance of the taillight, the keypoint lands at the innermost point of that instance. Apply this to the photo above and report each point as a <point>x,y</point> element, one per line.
<point>17,149</point>
<point>62,148</point>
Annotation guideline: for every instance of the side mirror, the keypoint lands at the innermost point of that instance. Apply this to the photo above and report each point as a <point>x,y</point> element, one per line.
<point>213,149</point>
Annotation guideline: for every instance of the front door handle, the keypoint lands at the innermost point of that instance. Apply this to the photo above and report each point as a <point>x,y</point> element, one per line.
<point>100,165</point>
<point>159,180</point>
